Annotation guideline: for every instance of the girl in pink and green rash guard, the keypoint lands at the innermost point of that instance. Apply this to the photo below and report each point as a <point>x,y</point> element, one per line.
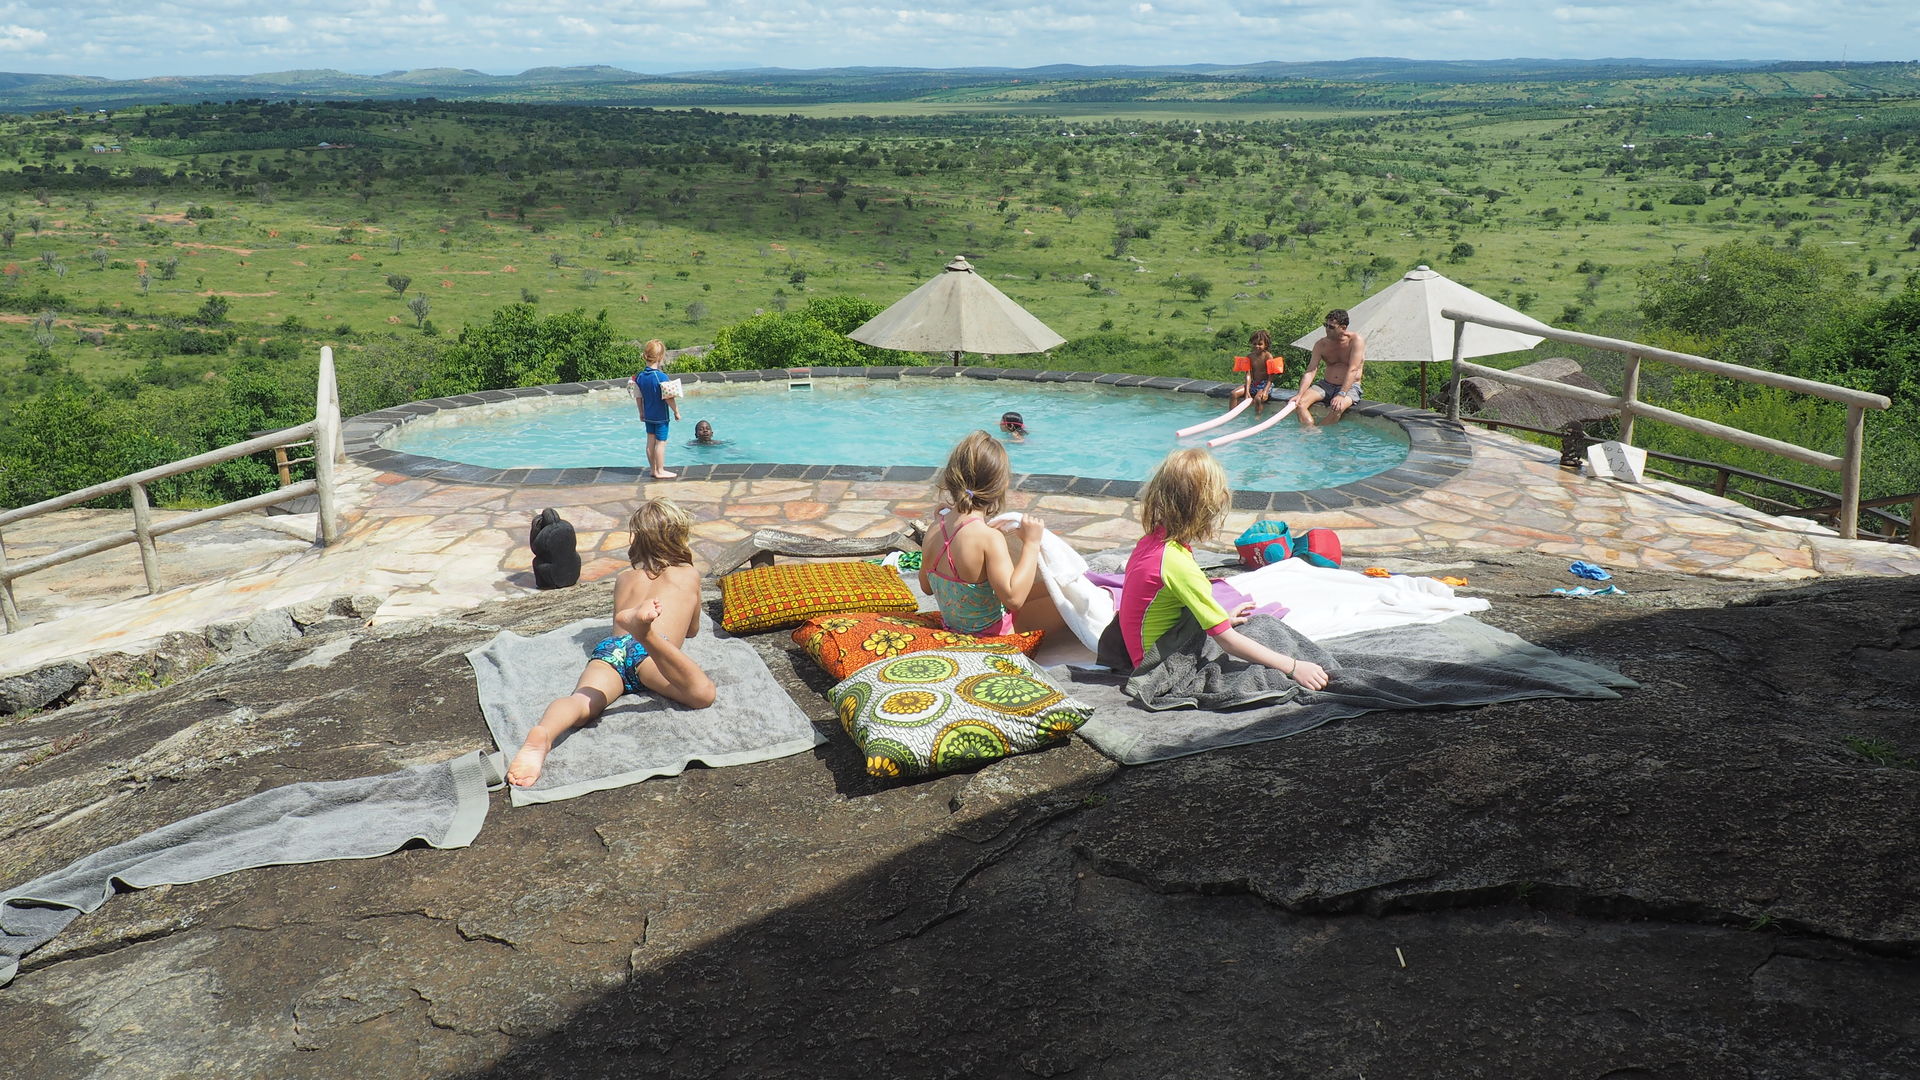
<point>1184,502</point>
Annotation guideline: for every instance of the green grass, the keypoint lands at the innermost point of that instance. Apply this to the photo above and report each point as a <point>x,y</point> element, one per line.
<point>678,223</point>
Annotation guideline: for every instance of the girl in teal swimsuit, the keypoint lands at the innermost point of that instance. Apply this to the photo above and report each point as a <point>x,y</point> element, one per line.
<point>967,566</point>
<point>656,607</point>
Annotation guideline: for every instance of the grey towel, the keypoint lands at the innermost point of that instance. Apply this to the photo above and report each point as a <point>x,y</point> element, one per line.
<point>1460,661</point>
<point>638,737</point>
<point>443,804</point>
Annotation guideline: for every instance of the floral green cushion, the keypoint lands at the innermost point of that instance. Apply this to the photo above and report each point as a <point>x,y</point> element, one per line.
<point>927,713</point>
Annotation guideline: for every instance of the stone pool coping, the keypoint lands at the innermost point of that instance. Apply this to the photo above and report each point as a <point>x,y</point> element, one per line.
<point>1437,450</point>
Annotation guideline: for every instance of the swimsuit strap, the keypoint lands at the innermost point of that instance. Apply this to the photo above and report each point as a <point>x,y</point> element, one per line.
<point>946,546</point>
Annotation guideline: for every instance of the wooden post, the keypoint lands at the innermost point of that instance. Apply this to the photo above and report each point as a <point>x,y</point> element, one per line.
<point>326,444</point>
<point>1453,397</point>
<point>280,465</point>
<point>1913,534</point>
<point>1850,472</point>
<point>143,537</point>
<point>7,609</point>
<point>1630,390</point>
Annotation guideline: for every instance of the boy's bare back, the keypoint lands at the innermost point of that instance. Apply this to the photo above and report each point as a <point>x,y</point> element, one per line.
<point>678,590</point>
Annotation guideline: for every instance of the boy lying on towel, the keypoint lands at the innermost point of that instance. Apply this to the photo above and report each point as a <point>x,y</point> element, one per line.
<point>656,607</point>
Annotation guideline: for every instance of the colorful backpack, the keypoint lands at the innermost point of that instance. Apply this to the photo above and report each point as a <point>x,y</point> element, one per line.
<point>1264,542</point>
<point>1321,547</point>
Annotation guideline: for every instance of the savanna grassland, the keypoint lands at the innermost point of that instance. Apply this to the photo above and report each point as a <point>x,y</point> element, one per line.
<point>174,261</point>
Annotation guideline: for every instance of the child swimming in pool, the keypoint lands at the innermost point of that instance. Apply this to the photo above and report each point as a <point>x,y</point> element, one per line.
<point>1013,427</point>
<point>656,607</point>
<point>1183,503</point>
<point>703,435</point>
<point>967,566</point>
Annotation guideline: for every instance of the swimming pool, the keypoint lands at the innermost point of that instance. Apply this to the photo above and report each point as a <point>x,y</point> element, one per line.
<point>1078,429</point>
<point>1436,450</point>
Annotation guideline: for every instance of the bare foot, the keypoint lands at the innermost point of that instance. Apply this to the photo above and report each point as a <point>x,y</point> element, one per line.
<point>527,764</point>
<point>638,619</point>
<point>666,476</point>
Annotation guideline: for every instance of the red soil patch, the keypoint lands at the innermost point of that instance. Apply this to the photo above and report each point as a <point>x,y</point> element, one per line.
<point>356,257</point>
<point>211,292</point>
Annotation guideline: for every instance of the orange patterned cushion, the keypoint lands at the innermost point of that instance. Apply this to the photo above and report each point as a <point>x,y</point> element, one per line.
<point>843,644</point>
<point>769,597</point>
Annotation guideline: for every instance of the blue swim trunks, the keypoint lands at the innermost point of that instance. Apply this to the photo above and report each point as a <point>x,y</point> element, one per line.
<point>657,429</point>
<point>623,654</point>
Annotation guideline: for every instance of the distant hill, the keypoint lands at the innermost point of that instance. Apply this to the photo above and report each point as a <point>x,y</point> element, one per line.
<point>1368,80</point>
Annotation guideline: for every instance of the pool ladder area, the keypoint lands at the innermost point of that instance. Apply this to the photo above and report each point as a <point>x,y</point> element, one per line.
<point>800,378</point>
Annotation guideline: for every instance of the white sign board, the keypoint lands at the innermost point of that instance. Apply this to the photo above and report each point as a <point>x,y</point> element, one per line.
<point>1616,461</point>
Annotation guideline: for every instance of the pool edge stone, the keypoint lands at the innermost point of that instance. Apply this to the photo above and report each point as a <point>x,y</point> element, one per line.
<point>1437,450</point>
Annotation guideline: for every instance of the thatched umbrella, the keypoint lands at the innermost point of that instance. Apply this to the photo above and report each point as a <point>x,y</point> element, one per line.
<point>1403,322</point>
<point>957,312</point>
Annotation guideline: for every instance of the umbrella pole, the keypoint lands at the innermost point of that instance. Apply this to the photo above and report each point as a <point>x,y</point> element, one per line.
<point>1423,384</point>
<point>956,359</point>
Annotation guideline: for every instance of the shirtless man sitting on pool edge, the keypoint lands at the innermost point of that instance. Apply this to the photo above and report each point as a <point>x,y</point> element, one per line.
<point>1345,354</point>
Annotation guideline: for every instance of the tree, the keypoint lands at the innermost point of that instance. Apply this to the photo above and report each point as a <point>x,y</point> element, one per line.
<point>816,334</point>
<point>516,347</point>
<point>1200,287</point>
<point>213,312</point>
<point>1747,302</point>
<point>398,283</point>
<point>1259,242</point>
<point>420,306</point>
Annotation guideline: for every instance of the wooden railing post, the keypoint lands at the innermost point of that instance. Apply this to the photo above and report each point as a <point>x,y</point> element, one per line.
<point>1850,472</point>
<point>326,445</point>
<point>1630,390</point>
<point>1453,395</point>
<point>7,609</point>
<point>143,537</point>
<point>281,467</point>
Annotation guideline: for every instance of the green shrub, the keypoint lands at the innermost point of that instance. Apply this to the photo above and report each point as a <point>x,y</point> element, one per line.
<point>814,335</point>
<point>518,348</point>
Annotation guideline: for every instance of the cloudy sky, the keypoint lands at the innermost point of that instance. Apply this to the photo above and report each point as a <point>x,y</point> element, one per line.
<point>141,38</point>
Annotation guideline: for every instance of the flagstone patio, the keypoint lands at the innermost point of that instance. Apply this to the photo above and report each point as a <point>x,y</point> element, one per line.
<point>429,546</point>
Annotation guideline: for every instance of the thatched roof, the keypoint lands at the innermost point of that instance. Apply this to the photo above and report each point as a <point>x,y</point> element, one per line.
<point>1521,405</point>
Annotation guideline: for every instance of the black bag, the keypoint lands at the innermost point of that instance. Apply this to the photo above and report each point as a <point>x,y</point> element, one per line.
<point>556,561</point>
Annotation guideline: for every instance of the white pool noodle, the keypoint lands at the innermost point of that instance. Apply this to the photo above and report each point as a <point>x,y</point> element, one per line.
<point>1255,429</point>
<point>1216,421</point>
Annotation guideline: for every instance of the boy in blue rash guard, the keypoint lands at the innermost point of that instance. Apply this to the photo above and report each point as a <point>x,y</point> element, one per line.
<point>655,407</point>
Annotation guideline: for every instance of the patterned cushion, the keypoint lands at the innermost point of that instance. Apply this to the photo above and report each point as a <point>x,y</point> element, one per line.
<point>770,597</point>
<point>843,644</point>
<point>933,712</point>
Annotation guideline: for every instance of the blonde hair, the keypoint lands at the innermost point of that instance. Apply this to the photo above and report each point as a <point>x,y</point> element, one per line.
<point>655,351</point>
<point>660,530</point>
<point>1187,496</point>
<point>976,475</point>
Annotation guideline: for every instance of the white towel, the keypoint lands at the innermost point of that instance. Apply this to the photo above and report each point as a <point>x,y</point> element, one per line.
<point>1086,607</point>
<point>1323,602</point>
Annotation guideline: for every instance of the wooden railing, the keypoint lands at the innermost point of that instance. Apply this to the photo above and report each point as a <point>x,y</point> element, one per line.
<point>323,431</point>
<point>1574,440</point>
<point>1628,404</point>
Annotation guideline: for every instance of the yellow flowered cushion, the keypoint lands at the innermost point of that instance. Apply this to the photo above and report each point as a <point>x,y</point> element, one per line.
<point>934,712</point>
<point>843,644</point>
<point>770,597</point>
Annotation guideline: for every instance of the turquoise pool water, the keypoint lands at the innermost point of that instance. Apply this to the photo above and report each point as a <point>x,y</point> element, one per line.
<point>1075,429</point>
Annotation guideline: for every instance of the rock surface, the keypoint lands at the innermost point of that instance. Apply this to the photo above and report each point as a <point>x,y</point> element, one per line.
<point>1713,877</point>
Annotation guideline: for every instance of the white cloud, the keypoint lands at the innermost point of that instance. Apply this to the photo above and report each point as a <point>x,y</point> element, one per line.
<point>21,38</point>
